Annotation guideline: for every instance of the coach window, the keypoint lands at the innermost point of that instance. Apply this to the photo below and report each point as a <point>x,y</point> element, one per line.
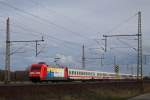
<point>93,74</point>
<point>100,74</point>
<point>97,74</point>
<point>73,72</point>
<point>69,72</point>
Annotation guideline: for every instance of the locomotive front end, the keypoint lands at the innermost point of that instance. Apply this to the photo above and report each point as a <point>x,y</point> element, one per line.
<point>35,73</point>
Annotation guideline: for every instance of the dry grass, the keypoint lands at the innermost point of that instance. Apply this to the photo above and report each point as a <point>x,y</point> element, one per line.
<point>71,92</point>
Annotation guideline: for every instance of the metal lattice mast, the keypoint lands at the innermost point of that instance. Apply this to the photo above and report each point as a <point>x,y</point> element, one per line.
<point>83,57</point>
<point>7,57</point>
<point>139,48</point>
<point>8,51</point>
<point>140,55</point>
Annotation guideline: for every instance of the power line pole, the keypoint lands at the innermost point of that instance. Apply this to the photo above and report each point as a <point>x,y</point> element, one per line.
<point>8,53</point>
<point>139,52</point>
<point>114,60</point>
<point>140,56</point>
<point>145,59</point>
<point>7,57</point>
<point>101,58</point>
<point>105,43</point>
<point>116,67</point>
<point>83,57</point>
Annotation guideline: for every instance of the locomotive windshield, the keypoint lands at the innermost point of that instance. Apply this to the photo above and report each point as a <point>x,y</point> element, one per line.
<point>37,68</point>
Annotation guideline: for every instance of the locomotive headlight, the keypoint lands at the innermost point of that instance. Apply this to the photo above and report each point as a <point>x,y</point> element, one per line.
<point>31,72</point>
<point>34,72</point>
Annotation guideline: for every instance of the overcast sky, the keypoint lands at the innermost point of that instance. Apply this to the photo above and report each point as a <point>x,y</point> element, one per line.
<point>68,24</point>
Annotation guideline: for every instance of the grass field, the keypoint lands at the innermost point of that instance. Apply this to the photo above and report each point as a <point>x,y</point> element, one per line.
<point>72,92</point>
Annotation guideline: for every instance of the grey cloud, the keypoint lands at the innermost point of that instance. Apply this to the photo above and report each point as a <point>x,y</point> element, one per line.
<point>86,17</point>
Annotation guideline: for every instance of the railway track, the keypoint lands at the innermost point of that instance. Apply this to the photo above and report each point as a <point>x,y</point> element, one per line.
<point>113,83</point>
<point>60,89</point>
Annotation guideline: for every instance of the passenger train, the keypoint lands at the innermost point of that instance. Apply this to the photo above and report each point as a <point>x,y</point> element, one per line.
<point>41,72</point>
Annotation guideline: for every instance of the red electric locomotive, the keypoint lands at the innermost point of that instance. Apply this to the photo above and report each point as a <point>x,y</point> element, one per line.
<point>42,72</point>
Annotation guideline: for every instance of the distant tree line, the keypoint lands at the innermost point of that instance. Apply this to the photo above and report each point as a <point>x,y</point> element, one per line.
<point>15,75</point>
<point>146,78</point>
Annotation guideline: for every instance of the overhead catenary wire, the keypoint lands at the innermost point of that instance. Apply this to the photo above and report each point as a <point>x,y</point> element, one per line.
<point>70,19</point>
<point>43,19</point>
<point>19,48</point>
<point>127,44</point>
<point>52,38</point>
<point>69,42</point>
<point>122,23</point>
<point>35,33</point>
